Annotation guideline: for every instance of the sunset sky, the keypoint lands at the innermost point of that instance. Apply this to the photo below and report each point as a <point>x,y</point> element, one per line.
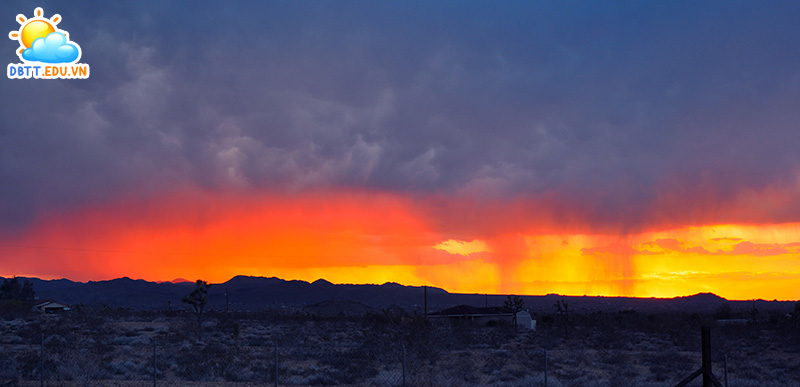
<point>644,148</point>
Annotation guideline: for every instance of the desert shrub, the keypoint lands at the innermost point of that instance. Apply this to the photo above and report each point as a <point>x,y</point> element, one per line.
<point>8,365</point>
<point>422,343</point>
<point>664,365</point>
<point>315,379</point>
<point>30,333</point>
<point>13,339</point>
<point>55,340</point>
<point>350,365</point>
<point>141,340</point>
<point>265,372</point>
<point>211,362</point>
<point>126,368</point>
<point>776,317</point>
<point>495,361</point>
<point>121,340</point>
<point>723,312</point>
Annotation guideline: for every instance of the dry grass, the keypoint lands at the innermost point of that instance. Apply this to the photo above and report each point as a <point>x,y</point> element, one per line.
<point>116,349</point>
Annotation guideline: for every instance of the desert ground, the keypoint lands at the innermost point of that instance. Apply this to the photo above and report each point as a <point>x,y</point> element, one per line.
<point>117,347</point>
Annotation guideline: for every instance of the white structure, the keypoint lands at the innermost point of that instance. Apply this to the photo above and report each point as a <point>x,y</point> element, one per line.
<point>524,320</point>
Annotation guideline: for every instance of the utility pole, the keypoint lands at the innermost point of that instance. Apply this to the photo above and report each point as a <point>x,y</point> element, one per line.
<point>155,369</point>
<point>425,304</point>
<point>41,365</point>
<point>226,300</point>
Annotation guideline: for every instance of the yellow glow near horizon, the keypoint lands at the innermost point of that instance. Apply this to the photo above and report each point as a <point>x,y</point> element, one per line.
<point>733,261</point>
<point>453,246</point>
<point>367,238</point>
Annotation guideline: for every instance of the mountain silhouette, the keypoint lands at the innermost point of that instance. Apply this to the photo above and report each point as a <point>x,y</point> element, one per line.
<point>247,293</point>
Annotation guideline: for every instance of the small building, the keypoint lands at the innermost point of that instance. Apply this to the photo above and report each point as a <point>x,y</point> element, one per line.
<point>484,316</point>
<point>525,320</point>
<point>50,306</point>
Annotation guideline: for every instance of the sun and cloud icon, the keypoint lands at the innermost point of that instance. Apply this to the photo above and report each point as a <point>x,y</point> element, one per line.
<point>41,41</point>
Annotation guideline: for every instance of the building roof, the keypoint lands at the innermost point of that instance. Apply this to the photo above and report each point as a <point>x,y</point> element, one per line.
<point>468,310</point>
<point>50,304</point>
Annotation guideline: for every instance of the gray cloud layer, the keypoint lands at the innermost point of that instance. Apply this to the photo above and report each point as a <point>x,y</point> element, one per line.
<point>606,106</point>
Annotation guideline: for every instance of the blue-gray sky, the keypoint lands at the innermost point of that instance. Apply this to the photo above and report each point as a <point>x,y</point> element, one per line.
<point>583,147</point>
<point>617,113</point>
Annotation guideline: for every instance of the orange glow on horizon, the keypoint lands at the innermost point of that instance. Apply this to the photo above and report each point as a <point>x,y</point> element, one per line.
<point>368,237</point>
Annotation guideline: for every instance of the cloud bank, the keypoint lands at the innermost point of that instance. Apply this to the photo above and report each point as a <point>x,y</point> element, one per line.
<point>622,114</point>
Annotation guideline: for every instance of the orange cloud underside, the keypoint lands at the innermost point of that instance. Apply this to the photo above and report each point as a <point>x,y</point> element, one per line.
<point>368,237</point>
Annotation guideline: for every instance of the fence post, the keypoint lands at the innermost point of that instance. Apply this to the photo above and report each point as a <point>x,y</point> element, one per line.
<point>545,367</point>
<point>709,379</point>
<point>41,365</point>
<point>706,349</point>
<point>154,361</point>
<point>276,363</point>
<point>404,364</point>
<point>726,370</point>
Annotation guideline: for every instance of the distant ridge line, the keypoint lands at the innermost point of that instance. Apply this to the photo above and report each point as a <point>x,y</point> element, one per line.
<point>256,293</point>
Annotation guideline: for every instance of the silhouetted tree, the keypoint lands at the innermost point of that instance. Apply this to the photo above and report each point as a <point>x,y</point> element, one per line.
<point>796,314</point>
<point>515,305</point>
<point>723,312</point>
<point>5,289</point>
<point>198,299</point>
<point>754,314</point>
<point>27,294</point>
<point>563,309</point>
<point>10,290</point>
<point>15,298</point>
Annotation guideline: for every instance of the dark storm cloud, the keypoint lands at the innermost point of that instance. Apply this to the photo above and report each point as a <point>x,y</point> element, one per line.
<point>605,106</point>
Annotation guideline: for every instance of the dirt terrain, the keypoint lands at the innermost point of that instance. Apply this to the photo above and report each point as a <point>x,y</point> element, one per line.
<point>116,348</point>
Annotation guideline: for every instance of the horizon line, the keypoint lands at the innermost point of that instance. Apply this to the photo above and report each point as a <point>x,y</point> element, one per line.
<point>187,281</point>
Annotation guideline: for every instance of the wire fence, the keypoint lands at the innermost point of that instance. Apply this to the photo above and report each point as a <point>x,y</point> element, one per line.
<point>290,353</point>
<point>154,361</point>
<point>139,361</point>
<point>56,362</point>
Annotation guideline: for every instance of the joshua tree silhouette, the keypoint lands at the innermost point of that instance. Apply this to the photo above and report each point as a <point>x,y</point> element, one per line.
<point>515,304</point>
<point>563,309</point>
<point>198,298</point>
